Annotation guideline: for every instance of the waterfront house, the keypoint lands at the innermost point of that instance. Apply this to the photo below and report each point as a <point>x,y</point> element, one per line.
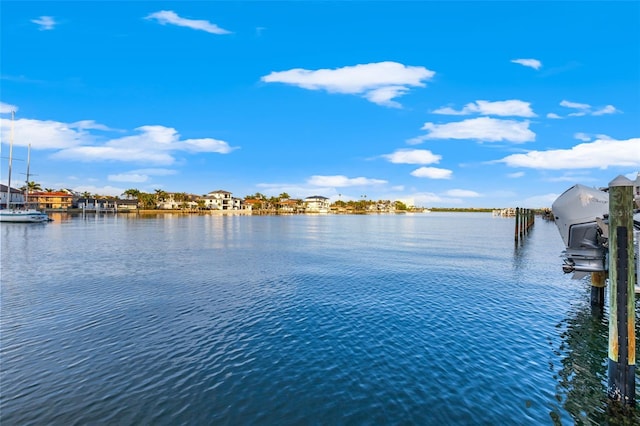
<point>316,204</point>
<point>95,204</point>
<point>53,200</point>
<point>178,200</point>
<point>221,200</point>
<point>289,206</point>
<point>125,204</point>
<point>16,199</point>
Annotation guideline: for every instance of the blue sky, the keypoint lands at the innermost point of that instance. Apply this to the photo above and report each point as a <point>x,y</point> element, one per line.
<point>456,104</point>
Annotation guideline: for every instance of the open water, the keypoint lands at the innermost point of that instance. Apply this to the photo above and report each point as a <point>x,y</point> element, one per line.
<point>424,319</point>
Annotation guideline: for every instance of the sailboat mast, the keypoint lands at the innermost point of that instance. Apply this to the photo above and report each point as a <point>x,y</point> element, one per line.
<point>10,161</point>
<point>26,191</point>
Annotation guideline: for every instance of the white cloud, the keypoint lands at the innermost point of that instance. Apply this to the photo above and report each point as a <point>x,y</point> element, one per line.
<point>7,108</point>
<point>512,107</point>
<point>155,172</point>
<point>45,23</point>
<point>140,175</point>
<point>165,17</point>
<point>208,145</point>
<point>153,144</point>
<point>88,125</point>
<point>575,105</point>
<point>413,156</point>
<point>378,82</point>
<point>609,109</point>
<point>75,141</point>
<point>109,153</point>
<point>553,115</point>
<point>424,199</point>
<point>416,140</point>
<point>128,177</point>
<point>432,173</point>
<point>384,95</point>
<point>582,137</point>
<point>450,111</point>
<point>484,129</point>
<point>462,193</point>
<point>515,175</point>
<point>44,134</point>
<point>531,63</point>
<point>601,154</point>
<point>586,109</point>
<point>102,190</point>
<point>340,181</point>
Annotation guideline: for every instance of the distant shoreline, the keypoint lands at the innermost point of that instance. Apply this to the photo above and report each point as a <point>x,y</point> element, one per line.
<point>149,212</point>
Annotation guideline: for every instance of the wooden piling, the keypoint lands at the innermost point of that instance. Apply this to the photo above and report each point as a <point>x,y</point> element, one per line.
<point>622,338</point>
<point>524,221</point>
<point>598,283</point>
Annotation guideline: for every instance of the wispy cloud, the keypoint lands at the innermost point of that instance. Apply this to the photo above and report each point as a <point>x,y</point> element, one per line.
<point>513,108</point>
<point>379,82</point>
<point>140,175</point>
<point>45,23</point>
<point>600,154</point>
<point>485,129</point>
<point>581,109</point>
<point>432,173</point>
<point>165,17</point>
<point>102,190</point>
<point>340,181</point>
<point>531,63</point>
<point>609,109</point>
<point>575,105</point>
<point>515,175</point>
<point>413,156</point>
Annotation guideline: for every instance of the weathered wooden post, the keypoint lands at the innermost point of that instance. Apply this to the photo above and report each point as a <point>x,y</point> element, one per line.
<point>622,337</point>
<point>517,230</point>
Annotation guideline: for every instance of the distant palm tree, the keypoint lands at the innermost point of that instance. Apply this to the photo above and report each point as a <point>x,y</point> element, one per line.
<point>284,196</point>
<point>146,200</point>
<point>49,190</point>
<point>161,195</point>
<point>31,187</point>
<point>256,196</point>
<point>131,193</point>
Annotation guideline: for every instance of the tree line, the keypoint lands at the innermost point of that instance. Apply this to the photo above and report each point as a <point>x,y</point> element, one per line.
<point>150,200</point>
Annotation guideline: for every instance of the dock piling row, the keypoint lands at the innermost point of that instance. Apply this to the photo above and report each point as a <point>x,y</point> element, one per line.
<point>524,221</point>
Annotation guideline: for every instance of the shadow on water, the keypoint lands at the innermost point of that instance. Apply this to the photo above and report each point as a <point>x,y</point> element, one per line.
<point>582,375</point>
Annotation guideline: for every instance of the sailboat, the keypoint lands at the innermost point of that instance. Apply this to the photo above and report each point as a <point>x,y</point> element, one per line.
<point>19,214</point>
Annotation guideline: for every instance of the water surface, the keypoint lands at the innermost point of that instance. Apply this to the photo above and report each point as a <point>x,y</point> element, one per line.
<point>380,319</point>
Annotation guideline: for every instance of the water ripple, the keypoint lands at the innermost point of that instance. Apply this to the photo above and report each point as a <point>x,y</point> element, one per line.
<point>430,319</point>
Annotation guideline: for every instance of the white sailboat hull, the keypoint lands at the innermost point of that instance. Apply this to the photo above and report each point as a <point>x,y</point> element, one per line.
<point>23,216</point>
